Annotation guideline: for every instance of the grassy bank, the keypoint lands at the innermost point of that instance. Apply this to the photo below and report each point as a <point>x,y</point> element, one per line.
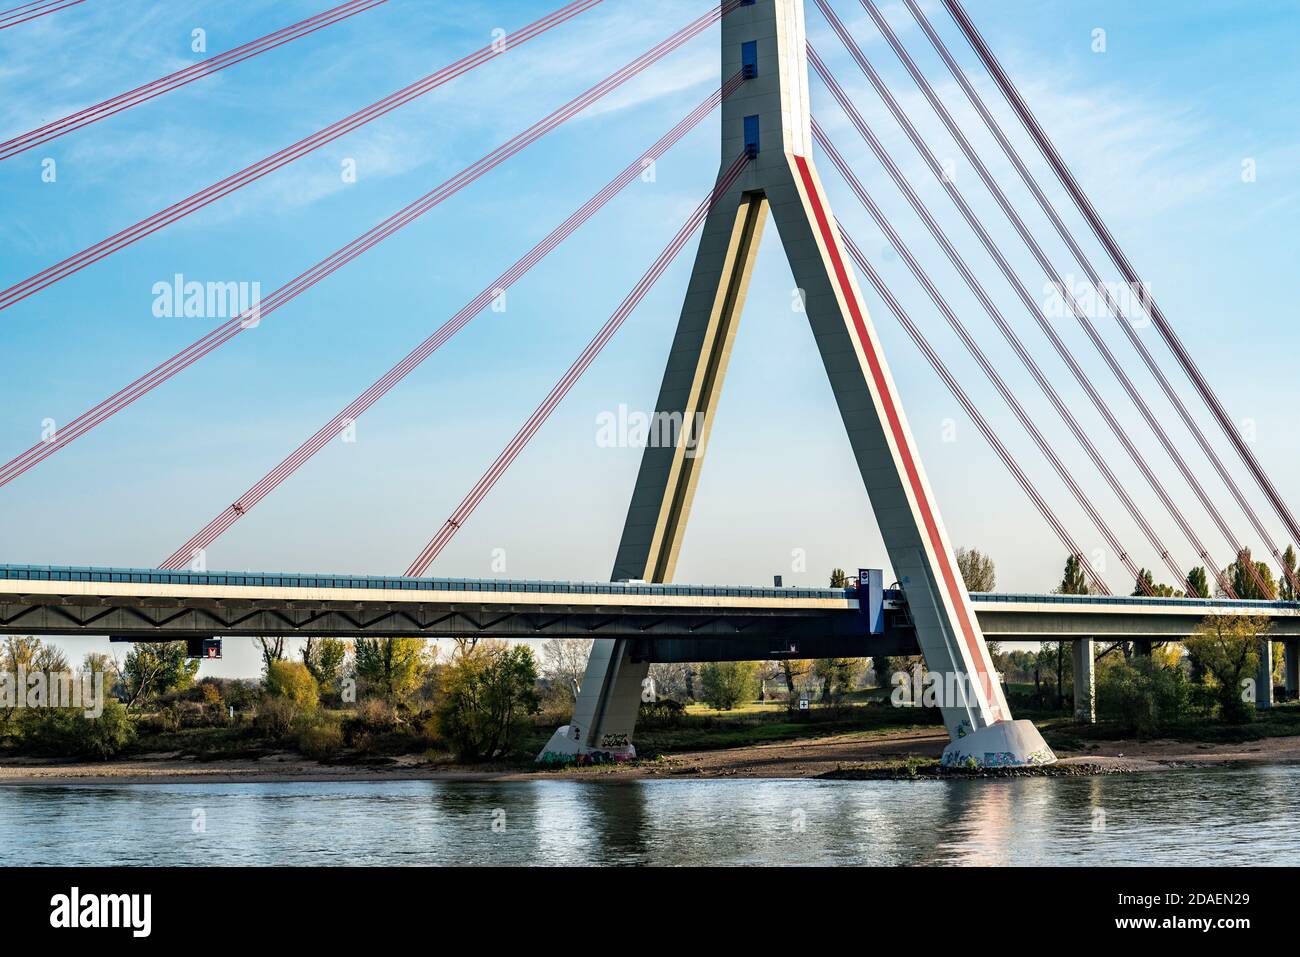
<point>860,719</point>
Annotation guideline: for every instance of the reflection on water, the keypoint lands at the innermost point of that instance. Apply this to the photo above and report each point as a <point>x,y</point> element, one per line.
<point>1229,816</point>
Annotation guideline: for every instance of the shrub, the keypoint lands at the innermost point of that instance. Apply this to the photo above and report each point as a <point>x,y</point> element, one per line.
<point>105,736</point>
<point>68,731</point>
<point>321,739</point>
<point>371,718</point>
<point>488,694</point>
<point>725,684</point>
<point>276,716</point>
<point>240,694</point>
<point>292,682</point>
<point>661,712</point>
<point>1143,695</point>
<point>1225,649</point>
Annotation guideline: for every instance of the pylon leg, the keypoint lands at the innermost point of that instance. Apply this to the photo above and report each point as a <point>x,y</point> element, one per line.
<point>614,685</point>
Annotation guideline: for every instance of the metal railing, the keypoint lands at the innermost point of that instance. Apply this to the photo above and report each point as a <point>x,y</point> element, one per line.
<point>153,576</point>
<point>1125,600</point>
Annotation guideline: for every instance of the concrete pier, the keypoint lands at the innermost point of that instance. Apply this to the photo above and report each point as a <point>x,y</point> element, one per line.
<point>1264,676</point>
<point>1291,668</point>
<point>1085,681</point>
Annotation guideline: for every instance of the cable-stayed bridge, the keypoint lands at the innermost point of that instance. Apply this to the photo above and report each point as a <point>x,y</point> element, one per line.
<point>1221,506</point>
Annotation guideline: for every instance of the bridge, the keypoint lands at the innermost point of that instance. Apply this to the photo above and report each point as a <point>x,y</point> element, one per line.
<point>660,622</point>
<point>156,605</point>
<point>768,140</point>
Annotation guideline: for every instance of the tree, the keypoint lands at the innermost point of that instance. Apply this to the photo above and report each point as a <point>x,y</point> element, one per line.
<point>1200,583</point>
<point>272,650</point>
<point>1226,648</point>
<point>488,693</point>
<point>792,669</point>
<point>1146,586</point>
<point>1053,660</point>
<point>671,679</point>
<point>837,676</point>
<point>884,667</point>
<point>1144,694</point>
<point>977,570</point>
<point>31,655</point>
<point>292,681</point>
<point>391,667</point>
<point>564,662</point>
<point>1286,590</point>
<point>839,579</point>
<point>725,684</point>
<point>1074,581</point>
<point>1247,584</point>
<point>324,658</point>
<point>153,669</point>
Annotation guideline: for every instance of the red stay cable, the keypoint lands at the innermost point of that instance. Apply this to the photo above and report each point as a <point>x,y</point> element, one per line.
<point>187,552</point>
<point>214,64</point>
<point>575,371</point>
<point>253,317</point>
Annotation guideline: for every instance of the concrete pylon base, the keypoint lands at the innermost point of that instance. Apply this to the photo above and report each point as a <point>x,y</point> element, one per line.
<point>1007,744</point>
<point>566,747</point>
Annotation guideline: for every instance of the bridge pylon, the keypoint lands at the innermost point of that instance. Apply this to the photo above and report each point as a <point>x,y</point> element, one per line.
<point>769,118</point>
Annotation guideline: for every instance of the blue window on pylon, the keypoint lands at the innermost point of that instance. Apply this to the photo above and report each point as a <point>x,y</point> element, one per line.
<point>749,59</point>
<point>751,136</point>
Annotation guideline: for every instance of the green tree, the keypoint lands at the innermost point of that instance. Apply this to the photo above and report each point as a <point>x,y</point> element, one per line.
<point>391,667</point>
<point>1146,585</point>
<point>1144,694</point>
<point>105,736</point>
<point>1246,584</point>
<point>792,669</point>
<point>725,684</point>
<point>1200,583</point>
<point>488,692</point>
<point>977,569</point>
<point>1285,589</point>
<point>837,676</point>
<point>324,658</point>
<point>884,667</point>
<point>1226,650</point>
<point>153,669</point>
<point>1053,661</point>
<point>1074,581</point>
<point>839,578</point>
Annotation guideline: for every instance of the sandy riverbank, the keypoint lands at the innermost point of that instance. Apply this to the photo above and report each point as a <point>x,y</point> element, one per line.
<point>795,759</point>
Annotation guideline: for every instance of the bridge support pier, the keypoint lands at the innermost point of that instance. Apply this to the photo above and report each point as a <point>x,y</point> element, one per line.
<point>1085,681</point>
<point>1291,668</point>
<point>1264,676</point>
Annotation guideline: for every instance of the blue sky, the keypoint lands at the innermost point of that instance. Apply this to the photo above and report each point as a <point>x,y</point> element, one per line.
<point>1156,127</point>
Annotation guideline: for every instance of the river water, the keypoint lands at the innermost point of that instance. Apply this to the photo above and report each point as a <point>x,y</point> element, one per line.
<point>1245,815</point>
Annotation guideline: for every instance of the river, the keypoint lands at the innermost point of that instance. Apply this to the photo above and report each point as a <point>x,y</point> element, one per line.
<point>1242,815</point>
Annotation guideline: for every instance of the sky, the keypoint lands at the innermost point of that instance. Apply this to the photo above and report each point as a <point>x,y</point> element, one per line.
<point>1159,126</point>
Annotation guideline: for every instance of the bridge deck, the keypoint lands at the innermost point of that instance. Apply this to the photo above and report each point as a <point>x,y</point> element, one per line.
<point>148,603</point>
